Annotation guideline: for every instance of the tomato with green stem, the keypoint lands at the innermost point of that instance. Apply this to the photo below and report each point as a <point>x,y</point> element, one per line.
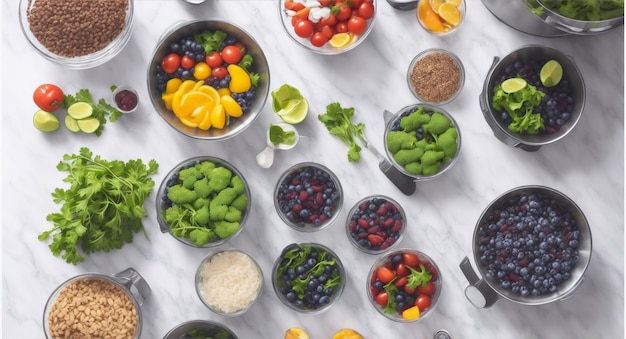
<point>48,97</point>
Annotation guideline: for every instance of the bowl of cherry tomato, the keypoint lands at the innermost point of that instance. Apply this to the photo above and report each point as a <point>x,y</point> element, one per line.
<point>404,285</point>
<point>208,79</point>
<point>328,26</point>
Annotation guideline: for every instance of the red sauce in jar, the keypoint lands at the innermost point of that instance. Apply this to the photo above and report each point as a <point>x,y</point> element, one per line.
<point>126,100</point>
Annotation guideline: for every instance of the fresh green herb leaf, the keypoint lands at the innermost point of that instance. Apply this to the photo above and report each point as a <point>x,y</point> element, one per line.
<point>279,136</point>
<point>210,41</point>
<point>586,10</point>
<point>392,291</point>
<point>417,278</point>
<point>520,106</point>
<point>246,61</point>
<point>338,122</point>
<point>101,110</point>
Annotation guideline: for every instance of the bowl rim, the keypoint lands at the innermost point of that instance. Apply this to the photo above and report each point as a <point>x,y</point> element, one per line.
<point>165,227</point>
<point>425,53</point>
<point>400,233</point>
<point>196,322</point>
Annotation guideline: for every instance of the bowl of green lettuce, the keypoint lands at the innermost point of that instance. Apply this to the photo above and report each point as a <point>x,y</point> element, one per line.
<point>579,17</point>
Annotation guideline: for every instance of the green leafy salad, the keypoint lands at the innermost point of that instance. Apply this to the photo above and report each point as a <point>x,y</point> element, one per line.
<point>585,10</point>
<point>520,106</point>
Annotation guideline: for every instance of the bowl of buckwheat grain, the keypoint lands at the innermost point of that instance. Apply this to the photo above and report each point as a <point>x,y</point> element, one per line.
<point>93,31</point>
<point>436,76</point>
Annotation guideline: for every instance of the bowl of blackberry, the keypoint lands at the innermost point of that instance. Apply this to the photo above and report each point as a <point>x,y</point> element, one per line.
<point>308,197</point>
<point>376,224</point>
<point>532,97</point>
<point>532,246</point>
<point>308,277</point>
<point>208,79</point>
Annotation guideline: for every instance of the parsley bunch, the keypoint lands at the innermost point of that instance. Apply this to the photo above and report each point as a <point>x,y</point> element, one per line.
<point>338,121</point>
<point>103,206</point>
<point>101,109</point>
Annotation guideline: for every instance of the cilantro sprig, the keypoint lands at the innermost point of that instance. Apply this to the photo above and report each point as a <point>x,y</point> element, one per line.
<point>103,207</point>
<point>338,122</point>
<point>101,109</point>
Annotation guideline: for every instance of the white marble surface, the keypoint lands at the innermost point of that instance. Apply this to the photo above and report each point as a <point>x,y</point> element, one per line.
<point>587,165</point>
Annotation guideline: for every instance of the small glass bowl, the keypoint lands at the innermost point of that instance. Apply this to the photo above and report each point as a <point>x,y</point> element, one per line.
<point>119,94</point>
<point>80,62</point>
<point>326,49</point>
<point>205,328</point>
<point>376,224</point>
<point>425,12</point>
<point>392,262</point>
<point>232,269</point>
<point>448,68</point>
<point>323,199</point>
<point>331,293</point>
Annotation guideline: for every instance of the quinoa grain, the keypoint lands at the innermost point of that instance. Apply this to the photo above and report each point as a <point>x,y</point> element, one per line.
<point>436,77</point>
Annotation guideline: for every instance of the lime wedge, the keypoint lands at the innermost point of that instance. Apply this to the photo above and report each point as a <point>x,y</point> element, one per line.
<point>88,125</point>
<point>80,110</point>
<point>71,123</point>
<point>513,85</point>
<point>295,112</point>
<point>551,73</point>
<point>45,121</point>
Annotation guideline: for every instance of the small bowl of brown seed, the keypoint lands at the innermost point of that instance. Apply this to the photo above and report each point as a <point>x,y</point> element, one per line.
<point>436,76</point>
<point>92,33</point>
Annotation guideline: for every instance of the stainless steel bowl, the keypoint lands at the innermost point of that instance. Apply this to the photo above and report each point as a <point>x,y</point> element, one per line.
<point>526,141</point>
<point>569,25</point>
<point>484,291</point>
<point>206,328</point>
<point>260,66</point>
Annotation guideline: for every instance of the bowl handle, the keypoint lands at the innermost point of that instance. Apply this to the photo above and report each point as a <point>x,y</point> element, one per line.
<point>403,5</point>
<point>478,292</point>
<point>131,278</point>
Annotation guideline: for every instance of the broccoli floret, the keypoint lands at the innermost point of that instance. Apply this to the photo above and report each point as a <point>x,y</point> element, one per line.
<point>201,217</point>
<point>397,140</point>
<point>218,213</point>
<point>414,168</point>
<point>201,236</point>
<point>237,184</point>
<point>200,202</point>
<point>225,229</point>
<point>173,214</point>
<point>430,157</point>
<point>181,195</point>
<point>240,202</point>
<point>205,168</point>
<point>233,214</point>
<point>224,197</point>
<point>201,187</point>
<point>447,142</point>
<point>406,156</point>
<point>219,179</point>
<point>431,169</point>
<point>414,120</point>
<point>188,176</point>
<point>438,124</point>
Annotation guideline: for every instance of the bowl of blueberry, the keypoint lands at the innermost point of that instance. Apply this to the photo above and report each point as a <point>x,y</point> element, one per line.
<point>532,246</point>
<point>376,224</point>
<point>532,97</point>
<point>208,79</point>
<point>308,277</point>
<point>308,197</point>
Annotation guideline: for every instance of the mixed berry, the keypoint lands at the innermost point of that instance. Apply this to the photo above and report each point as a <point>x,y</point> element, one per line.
<point>375,224</point>
<point>308,196</point>
<point>529,244</point>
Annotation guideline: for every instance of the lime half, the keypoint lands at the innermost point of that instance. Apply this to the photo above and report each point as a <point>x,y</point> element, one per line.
<point>513,85</point>
<point>80,110</point>
<point>551,73</point>
<point>88,125</point>
<point>295,112</point>
<point>71,123</point>
<point>45,121</point>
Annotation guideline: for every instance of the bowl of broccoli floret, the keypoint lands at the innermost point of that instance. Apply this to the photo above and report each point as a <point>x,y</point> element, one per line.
<point>422,141</point>
<point>203,202</point>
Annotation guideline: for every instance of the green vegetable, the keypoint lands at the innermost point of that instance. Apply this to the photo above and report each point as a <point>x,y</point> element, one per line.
<point>438,124</point>
<point>181,195</point>
<point>586,10</point>
<point>407,156</point>
<point>219,179</point>
<point>210,41</point>
<point>200,334</point>
<point>418,278</point>
<point>338,122</point>
<point>520,105</point>
<point>392,291</point>
<point>101,109</point>
<point>279,136</point>
<point>397,140</point>
<point>103,207</point>
<point>282,96</point>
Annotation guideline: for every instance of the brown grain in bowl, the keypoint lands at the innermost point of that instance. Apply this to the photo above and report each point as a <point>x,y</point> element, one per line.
<point>436,77</point>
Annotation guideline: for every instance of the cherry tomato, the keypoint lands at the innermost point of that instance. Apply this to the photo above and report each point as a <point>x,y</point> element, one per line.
<point>330,21</point>
<point>242,48</point>
<point>304,28</point>
<point>433,271</point>
<point>400,282</point>
<point>366,10</point>
<point>411,260</point>
<point>427,289</point>
<point>401,270</point>
<point>293,6</point>
<point>345,12</point>
<point>385,274</point>
<point>357,25</point>
<point>219,72</point>
<point>295,20</point>
<point>187,62</point>
<point>318,39</point>
<point>422,302</point>
<point>214,59</point>
<point>327,31</point>
<point>48,97</point>
<point>381,298</point>
<point>408,289</point>
<point>170,63</point>
<point>342,27</point>
<point>231,54</point>
<point>355,3</point>
<point>325,3</point>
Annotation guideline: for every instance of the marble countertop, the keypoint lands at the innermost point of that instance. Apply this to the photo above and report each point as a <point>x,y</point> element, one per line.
<point>587,165</point>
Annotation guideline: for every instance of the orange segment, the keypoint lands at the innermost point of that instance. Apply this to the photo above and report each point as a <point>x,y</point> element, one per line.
<point>457,3</point>
<point>172,85</point>
<point>188,123</point>
<point>428,17</point>
<point>218,116</point>
<point>205,124</point>
<point>185,87</point>
<point>434,4</point>
<point>231,106</point>
<point>450,13</point>
<point>168,98</point>
<point>192,100</point>
<point>212,92</point>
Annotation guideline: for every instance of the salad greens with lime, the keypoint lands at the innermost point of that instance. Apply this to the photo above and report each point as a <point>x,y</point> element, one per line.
<point>520,106</point>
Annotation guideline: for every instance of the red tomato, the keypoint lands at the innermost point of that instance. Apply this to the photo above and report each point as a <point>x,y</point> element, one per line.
<point>325,3</point>
<point>400,282</point>
<point>342,27</point>
<point>170,63</point>
<point>427,289</point>
<point>385,274</point>
<point>187,62</point>
<point>318,39</point>
<point>422,302</point>
<point>330,21</point>
<point>219,72</point>
<point>214,59</point>
<point>357,25</point>
<point>294,6</point>
<point>355,3</point>
<point>48,97</point>
<point>345,12</point>
<point>381,298</point>
<point>294,20</point>
<point>433,271</point>
<point>366,10</point>
<point>304,28</point>
<point>242,48</point>
<point>408,289</point>
<point>327,31</point>
<point>411,260</point>
<point>231,54</point>
<point>401,270</point>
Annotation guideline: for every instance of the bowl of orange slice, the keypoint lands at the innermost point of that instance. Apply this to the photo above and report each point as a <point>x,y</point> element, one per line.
<point>441,17</point>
